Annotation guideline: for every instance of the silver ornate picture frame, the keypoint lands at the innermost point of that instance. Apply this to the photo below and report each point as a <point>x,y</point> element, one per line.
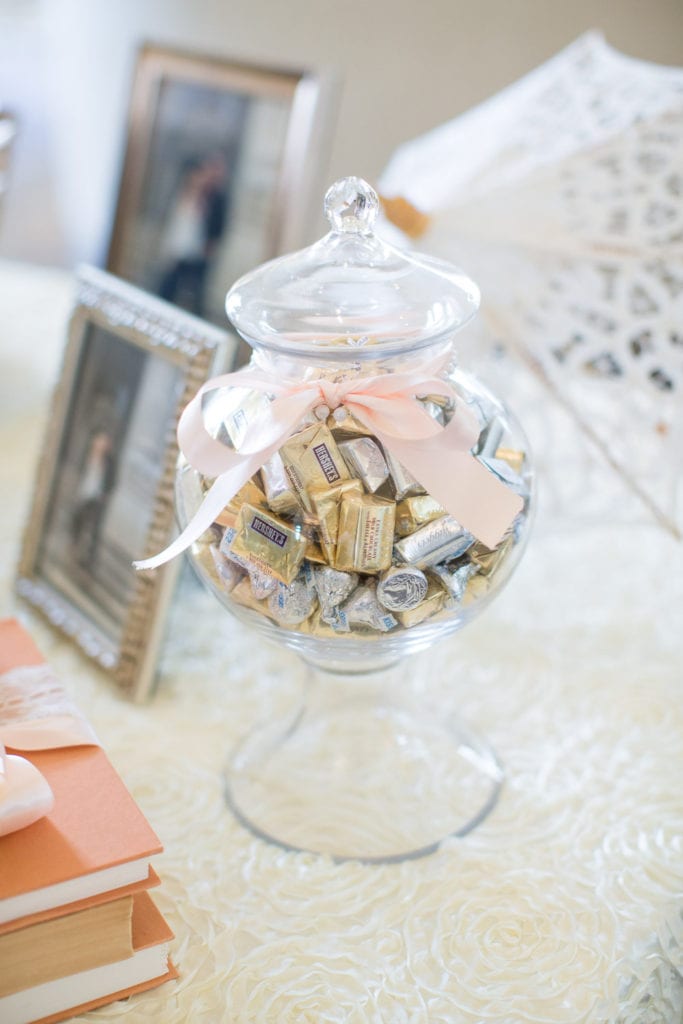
<point>104,486</point>
<point>223,169</point>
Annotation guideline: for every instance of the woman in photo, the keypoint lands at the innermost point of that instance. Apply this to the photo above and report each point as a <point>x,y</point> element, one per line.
<point>195,225</point>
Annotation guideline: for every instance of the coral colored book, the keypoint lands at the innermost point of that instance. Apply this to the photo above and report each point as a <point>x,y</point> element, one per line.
<point>84,904</point>
<point>77,928</point>
<point>147,966</point>
<point>96,839</point>
<point>66,944</point>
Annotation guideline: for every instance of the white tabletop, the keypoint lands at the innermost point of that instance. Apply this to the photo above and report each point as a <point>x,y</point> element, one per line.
<point>563,906</point>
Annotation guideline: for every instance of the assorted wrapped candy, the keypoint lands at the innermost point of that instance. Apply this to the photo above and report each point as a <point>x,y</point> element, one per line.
<point>334,537</point>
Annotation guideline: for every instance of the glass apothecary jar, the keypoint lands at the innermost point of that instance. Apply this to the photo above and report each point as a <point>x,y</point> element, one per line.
<point>356,496</point>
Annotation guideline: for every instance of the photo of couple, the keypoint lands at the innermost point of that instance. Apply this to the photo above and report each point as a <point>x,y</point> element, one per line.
<point>203,205</point>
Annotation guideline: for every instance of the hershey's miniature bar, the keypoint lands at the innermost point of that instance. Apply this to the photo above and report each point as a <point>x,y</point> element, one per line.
<point>326,503</point>
<point>269,543</point>
<point>366,533</point>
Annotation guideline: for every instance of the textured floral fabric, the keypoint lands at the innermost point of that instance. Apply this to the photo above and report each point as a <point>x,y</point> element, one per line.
<point>563,907</point>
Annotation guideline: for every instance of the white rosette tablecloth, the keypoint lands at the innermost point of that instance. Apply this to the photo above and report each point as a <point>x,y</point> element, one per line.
<point>564,907</point>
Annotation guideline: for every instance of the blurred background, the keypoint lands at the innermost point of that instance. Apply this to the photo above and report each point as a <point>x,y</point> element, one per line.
<point>66,70</point>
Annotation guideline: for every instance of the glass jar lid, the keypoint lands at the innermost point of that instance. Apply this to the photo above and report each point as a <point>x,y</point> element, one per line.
<point>351,290</point>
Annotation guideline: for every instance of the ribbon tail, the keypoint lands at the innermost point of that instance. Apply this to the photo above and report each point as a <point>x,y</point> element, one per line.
<point>218,496</point>
<point>480,502</point>
<point>275,428</point>
<point>198,446</point>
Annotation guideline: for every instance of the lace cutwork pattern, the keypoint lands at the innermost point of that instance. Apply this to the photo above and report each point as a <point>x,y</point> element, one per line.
<point>572,223</point>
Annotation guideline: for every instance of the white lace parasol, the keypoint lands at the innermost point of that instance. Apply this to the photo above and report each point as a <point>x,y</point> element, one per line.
<point>563,196</point>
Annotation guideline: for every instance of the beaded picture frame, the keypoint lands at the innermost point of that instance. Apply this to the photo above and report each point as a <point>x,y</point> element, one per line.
<point>104,486</point>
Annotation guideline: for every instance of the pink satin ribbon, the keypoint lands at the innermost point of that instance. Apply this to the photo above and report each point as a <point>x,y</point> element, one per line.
<point>439,457</point>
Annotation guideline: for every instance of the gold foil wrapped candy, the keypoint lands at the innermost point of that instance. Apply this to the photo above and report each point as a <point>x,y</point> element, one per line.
<point>433,603</point>
<point>316,551</point>
<point>312,459</point>
<point>487,559</point>
<point>366,534</point>
<point>326,503</point>
<point>269,543</point>
<point>416,511</point>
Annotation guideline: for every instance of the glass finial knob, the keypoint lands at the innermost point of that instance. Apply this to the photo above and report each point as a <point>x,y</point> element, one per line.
<point>351,205</point>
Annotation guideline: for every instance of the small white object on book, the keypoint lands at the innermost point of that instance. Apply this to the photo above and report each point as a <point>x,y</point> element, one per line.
<point>25,796</point>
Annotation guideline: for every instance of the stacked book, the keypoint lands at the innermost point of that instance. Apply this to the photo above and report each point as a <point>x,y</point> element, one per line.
<point>78,927</point>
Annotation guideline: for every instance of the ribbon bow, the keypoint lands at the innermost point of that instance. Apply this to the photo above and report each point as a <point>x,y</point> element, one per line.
<point>35,714</point>
<point>439,457</point>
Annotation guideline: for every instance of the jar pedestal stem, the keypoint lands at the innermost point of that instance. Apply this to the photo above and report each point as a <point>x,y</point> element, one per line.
<point>363,770</point>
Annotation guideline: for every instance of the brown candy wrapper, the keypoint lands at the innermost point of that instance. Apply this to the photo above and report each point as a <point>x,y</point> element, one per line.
<point>225,548</point>
<point>322,462</point>
<point>291,454</point>
<point>309,544</point>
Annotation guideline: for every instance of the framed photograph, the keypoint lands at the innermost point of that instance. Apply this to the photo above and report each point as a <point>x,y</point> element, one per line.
<point>223,170</point>
<point>104,487</point>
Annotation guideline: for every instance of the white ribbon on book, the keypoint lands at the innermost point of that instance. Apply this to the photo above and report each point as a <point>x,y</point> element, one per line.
<point>36,713</point>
